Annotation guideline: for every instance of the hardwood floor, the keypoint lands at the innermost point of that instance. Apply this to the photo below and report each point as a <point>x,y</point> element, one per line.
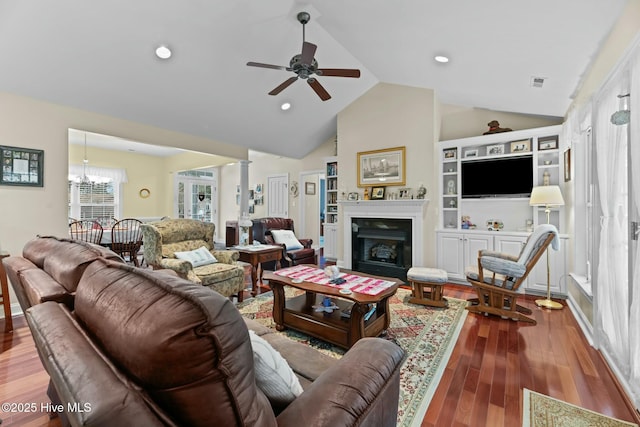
<point>481,386</point>
<point>494,359</point>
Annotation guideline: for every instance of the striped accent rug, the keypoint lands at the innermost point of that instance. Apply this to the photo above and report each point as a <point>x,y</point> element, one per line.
<point>426,334</point>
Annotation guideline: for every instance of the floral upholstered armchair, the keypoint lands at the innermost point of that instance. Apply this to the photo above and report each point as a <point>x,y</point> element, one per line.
<point>177,244</point>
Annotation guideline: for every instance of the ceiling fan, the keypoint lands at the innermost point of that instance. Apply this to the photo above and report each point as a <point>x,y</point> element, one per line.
<point>304,65</point>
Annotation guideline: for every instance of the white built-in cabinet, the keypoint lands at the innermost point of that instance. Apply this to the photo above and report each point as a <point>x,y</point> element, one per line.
<point>458,247</point>
<point>330,226</point>
<point>457,250</point>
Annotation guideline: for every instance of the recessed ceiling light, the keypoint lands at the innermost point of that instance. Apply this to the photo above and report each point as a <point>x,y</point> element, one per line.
<point>285,106</point>
<point>441,58</point>
<point>163,52</point>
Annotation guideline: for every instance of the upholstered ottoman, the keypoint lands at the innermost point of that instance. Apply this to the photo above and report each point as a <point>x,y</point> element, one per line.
<point>427,285</point>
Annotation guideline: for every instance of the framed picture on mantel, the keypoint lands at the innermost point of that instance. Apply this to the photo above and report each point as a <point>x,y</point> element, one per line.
<point>382,167</point>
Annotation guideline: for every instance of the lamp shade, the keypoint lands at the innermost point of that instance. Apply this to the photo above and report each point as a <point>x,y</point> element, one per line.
<point>546,195</point>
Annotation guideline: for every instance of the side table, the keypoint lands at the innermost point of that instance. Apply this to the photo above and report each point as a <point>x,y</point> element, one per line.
<point>4,296</point>
<point>256,255</point>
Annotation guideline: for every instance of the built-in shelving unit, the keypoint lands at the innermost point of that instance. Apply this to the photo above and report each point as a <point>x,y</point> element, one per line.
<point>457,245</point>
<point>541,144</point>
<point>331,209</point>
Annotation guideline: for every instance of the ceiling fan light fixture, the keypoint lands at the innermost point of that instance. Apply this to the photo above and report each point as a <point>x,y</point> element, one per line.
<point>285,106</point>
<point>305,67</point>
<point>441,59</point>
<point>163,52</point>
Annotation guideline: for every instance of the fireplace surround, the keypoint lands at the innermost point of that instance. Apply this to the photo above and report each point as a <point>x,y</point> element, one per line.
<point>413,210</point>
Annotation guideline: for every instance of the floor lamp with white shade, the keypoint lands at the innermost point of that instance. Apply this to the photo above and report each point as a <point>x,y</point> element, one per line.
<point>547,196</point>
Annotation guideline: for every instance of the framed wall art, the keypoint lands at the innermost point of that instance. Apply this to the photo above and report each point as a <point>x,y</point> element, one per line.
<point>22,166</point>
<point>567,165</point>
<point>382,167</point>
<point>310,188</point>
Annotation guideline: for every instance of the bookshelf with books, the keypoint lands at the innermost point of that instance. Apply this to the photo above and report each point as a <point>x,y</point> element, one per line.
<point>331,208</point>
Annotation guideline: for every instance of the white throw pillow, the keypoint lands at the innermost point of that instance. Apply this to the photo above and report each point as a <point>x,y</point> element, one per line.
<point>197,257</point>
<point>273,374</point>
<point>287,238</point>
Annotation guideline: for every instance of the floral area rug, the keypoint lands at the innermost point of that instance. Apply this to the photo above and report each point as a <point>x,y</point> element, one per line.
<point>544,411</point>
<point>426,334</point>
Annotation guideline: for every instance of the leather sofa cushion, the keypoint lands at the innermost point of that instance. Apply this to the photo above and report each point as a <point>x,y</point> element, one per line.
<point>40,287</point>
<point>13,266</point>
<point>36,250</point>
<point>301,254</point>
<point>306,362</point>
<point>196,362</point>
<point>65,259</point>
<point>273,223</point>
<point>84,375</point>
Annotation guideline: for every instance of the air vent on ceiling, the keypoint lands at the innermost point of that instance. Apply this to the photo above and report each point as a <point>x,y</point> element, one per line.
<point>537,81</point>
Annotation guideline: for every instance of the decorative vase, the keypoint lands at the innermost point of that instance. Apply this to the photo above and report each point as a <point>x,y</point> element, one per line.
<point>245,228</point>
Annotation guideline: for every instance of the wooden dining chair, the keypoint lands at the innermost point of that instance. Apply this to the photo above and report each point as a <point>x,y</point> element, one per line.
<point>126,239</point>
<point>86,230</point>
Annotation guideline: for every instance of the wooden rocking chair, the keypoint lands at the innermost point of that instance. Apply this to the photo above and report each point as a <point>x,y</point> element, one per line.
<point>498,276</point>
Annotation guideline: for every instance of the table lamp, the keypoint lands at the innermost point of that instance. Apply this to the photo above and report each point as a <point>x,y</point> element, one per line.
<point>547,196</point>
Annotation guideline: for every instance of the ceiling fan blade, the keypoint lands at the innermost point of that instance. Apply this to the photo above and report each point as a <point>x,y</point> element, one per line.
<point>275,67</point>
<point>283,86</point>
<point>308,51</point>
<point>339,72</point>
<point>317,87</point>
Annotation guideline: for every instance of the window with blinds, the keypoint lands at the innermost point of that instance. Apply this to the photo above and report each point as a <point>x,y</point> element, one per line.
<point>96,201</point>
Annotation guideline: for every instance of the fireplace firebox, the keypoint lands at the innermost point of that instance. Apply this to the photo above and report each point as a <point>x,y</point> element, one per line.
<point>381,246</point>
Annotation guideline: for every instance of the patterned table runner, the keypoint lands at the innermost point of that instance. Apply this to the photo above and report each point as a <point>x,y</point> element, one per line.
<point>359,284</point>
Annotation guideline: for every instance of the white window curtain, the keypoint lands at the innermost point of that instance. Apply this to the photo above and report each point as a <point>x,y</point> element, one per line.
<point>97,174</point>
<point>634,131</point>
<point>612,293</point>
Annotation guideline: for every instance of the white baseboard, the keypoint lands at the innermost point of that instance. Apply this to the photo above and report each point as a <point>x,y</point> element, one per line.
<point>585,326</point>
<point>16,310</point>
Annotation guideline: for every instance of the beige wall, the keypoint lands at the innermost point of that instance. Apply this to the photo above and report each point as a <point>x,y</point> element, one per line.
<point>464,122</point>
<point>26,212</point>
<point>157,174</point>
<point>390,116</point>
<point>613,48</point>
<point>262,165</point>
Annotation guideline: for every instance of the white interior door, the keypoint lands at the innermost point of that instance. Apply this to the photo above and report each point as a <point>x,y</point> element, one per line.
<point>278,195</point>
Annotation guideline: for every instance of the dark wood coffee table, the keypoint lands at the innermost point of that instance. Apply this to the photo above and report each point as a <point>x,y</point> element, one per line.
<point>298,312</point>
<point>256,255</point>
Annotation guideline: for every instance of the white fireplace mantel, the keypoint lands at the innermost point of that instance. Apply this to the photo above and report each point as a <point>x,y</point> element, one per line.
<point>413,209</point>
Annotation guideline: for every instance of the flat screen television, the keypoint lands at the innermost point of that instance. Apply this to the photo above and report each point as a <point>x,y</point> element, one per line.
<point>504,177</point>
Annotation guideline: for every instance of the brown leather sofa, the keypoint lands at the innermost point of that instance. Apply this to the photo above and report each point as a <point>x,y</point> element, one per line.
<point>262,232</point>
<point>50,269</point>
<point>143,348</point>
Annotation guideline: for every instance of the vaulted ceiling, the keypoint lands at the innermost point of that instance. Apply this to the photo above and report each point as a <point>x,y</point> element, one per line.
<point>99,56</point>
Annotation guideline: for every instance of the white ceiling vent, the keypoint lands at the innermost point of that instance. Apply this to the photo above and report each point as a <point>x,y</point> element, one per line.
<point>537,81</point>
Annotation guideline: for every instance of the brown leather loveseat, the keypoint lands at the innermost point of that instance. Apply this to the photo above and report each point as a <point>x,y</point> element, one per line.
<point>142,348</point>
<point>262,228</point>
